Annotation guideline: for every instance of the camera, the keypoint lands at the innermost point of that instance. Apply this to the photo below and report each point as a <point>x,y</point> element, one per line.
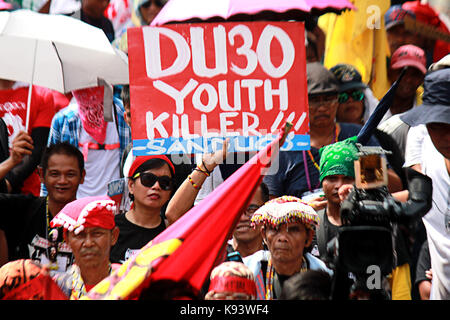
<point>367,237</point>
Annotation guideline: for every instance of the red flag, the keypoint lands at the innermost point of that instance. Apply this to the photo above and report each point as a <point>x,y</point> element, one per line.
<point>195,243</point>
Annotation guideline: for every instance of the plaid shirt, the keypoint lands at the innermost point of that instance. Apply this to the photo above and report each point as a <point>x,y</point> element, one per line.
<point>66,126</point>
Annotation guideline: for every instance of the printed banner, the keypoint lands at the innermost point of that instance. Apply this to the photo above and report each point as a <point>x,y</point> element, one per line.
<point>193,85</point>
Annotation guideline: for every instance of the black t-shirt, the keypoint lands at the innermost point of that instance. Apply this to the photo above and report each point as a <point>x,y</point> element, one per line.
<point>23,218</point>
<point>132,238</point>
<point>324,234</point>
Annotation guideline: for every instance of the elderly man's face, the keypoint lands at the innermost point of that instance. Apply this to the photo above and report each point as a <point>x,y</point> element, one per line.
<point>91,247</point>
<point>287,242</point>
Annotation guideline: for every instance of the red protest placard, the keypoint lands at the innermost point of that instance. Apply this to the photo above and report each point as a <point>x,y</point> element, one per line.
<point>193,84</point>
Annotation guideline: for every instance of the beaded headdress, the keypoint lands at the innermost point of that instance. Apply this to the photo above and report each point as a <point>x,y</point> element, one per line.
<point>286,209</point>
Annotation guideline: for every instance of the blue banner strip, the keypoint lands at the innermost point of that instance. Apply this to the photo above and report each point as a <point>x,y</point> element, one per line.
<point>144,147</point>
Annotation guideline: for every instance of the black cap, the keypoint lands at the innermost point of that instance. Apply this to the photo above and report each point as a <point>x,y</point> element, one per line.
<point>348,77</point>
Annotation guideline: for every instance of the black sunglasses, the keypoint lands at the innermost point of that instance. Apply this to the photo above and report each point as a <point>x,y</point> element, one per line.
<point>357,95</point>
<point>149,3</point>
<point>149,179</point>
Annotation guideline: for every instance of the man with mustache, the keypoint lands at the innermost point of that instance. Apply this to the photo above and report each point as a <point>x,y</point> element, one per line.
<point>90,231</point>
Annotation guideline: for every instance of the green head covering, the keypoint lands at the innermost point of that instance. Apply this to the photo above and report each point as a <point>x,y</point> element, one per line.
<point>338,158</point>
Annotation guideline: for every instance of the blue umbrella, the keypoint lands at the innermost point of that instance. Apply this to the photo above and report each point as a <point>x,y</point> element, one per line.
<point>381,109</point>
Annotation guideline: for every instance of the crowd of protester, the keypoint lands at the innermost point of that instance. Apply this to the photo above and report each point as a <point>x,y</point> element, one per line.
<point>55,217</point>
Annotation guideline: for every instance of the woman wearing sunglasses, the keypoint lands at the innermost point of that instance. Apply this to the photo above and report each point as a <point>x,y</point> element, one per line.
<point>356,101</point>
<point>150,183</point>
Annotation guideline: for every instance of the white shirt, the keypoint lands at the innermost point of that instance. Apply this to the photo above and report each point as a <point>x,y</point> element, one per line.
<point>102,166</point>
<point>433,165</point>
<point>414,144</point>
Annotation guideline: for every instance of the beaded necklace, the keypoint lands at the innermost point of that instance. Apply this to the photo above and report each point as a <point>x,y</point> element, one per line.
<point>78,286</point>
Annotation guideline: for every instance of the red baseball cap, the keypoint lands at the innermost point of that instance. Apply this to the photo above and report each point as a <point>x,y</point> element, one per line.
<point>409,56</point>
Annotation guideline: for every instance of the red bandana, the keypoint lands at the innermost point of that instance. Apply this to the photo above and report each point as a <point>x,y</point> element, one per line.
<point>90,106</point>
<point>86,213</point>
<point>233,284</point>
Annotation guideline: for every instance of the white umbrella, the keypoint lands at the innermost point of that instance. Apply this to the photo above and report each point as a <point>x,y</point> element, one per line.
<point>57,52</point>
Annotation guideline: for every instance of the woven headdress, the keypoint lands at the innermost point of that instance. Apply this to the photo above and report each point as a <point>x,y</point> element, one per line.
<point>286,209</point>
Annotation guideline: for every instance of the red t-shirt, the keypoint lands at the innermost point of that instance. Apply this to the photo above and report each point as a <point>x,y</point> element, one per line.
<point>13,110</point>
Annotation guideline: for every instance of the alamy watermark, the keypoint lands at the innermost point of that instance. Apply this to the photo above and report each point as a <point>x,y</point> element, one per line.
<point>374,278</point>
<point>374,19</point>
